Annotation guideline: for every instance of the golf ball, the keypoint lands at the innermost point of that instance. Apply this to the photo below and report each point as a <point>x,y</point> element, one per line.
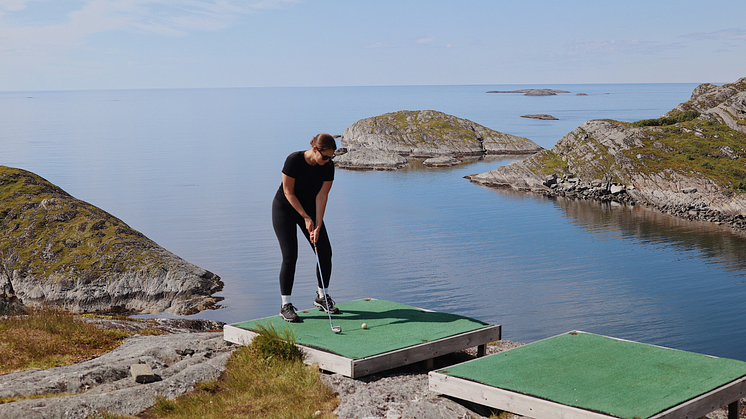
<point>364,325</point>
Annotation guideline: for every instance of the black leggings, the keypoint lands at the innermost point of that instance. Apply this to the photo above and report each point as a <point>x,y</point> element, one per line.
<point>284,220</point>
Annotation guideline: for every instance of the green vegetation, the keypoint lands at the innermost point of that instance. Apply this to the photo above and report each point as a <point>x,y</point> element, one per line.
<point>436,127</point>
<point>47,233</point>
<point>266,379</point>
<point>269,344</point>
<point>50,338</point>
<point>550,163</point>
<point>675,118</point>
<point>695,147</point>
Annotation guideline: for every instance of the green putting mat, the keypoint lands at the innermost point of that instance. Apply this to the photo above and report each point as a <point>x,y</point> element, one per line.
<point>620,378</point>
<point>391,326</point>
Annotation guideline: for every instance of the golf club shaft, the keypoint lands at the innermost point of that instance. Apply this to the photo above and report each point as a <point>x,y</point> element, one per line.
<point>323,287</point>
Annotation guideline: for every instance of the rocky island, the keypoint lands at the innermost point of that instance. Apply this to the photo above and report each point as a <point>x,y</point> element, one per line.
<point>543,117</point>
<point>532,92</point>
<point>691,162</point>
<point>386,142</point>
<point>60,252</point>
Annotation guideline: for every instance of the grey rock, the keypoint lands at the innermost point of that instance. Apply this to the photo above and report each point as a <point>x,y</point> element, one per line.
<point>543,117</point>
<point>142,373</point>
<point>105,383</point>
<point>616,189</point>
<point>689,190</point>
<point>724,104</point>
<point>370,159</point>
<point>445,161</point>
<point>100,264</point>
<point>532,92</point>
<point>601,149</point>
<point>403,394</point>
<point>423,134</point>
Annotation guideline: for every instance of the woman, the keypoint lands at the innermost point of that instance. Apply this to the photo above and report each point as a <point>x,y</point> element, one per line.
<point>301,200</point>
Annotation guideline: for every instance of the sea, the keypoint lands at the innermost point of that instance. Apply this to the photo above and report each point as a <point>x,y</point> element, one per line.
<point>195,170</point>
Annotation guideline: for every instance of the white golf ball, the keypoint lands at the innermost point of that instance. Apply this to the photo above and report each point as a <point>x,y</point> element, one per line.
<point>364,325</point>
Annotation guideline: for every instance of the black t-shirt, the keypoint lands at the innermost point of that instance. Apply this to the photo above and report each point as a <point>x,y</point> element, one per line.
<point>308,180</point>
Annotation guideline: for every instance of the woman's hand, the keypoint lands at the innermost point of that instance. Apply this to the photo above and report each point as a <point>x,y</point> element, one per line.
<point>312,230</point>
<point>315,234</point>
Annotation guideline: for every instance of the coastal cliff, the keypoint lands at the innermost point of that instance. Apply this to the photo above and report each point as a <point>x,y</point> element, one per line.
<point>690,162</point>
<point>387,141</point>
<point>60,252</point>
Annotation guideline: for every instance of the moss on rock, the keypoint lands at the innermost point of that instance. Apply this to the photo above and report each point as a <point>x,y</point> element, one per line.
<point>54,247</point>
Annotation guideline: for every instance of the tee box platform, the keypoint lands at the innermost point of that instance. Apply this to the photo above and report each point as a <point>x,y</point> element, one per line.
<point>396,335</point>
<point>586,376</point>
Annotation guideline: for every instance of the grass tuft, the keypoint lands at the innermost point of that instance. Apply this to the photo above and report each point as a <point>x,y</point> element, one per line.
<point>45,338</point>
<point>270,344</point>
<point>266,379</point>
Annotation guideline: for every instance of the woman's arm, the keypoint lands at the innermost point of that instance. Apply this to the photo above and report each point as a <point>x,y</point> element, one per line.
<point>321,199</point>
<point>288,188</point>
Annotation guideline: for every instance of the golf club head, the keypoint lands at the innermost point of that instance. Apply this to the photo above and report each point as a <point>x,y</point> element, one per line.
<point>336,329</point>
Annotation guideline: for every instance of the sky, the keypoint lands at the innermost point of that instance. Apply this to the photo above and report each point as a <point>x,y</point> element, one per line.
<point>142,44</point>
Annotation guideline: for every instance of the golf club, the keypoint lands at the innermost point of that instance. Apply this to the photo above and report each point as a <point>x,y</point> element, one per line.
<point>336,329</point>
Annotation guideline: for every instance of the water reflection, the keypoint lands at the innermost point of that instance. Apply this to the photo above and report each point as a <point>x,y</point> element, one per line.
<point>713,241</point>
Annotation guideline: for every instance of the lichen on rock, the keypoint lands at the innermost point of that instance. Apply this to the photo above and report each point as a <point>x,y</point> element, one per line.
<point>699,146</point>
<point>58,251</point>
<point>424,134</point>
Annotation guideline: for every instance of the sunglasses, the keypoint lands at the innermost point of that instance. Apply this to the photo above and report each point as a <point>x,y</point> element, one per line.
<point>324,157</point>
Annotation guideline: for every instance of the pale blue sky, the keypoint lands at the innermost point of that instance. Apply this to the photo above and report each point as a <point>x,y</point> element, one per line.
<point>124,44</point>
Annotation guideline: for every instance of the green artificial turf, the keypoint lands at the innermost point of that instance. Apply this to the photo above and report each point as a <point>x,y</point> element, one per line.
<point>391,326</point>
<point>620,378</point>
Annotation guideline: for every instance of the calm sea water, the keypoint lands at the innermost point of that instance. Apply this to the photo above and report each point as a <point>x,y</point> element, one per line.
<point>196,170</point>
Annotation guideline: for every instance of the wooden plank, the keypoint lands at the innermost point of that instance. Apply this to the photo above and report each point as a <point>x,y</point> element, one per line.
<point>733,410</point>
<point>424,351</point>
<point>237,335</point>
<point>360,367</point>
<point>540,409</point>
<point>707,402</point>
<point>328,361</point>
<point>506,400</point>
<point>325,360</point>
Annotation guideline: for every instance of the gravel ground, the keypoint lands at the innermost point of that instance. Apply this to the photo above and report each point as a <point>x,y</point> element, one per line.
<point>404,393</point>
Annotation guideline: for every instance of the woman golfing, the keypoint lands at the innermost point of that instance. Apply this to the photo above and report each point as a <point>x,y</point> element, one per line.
<point>301,201</point>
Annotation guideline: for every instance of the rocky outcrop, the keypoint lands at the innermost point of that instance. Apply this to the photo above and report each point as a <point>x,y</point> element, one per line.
<point>58,251</point>
<point>542,116</point>
<point>380,141</point>
<point>532,92</point>
<point>695,168</point>
<point>719,104</point>
<point>369,159</point>
<point>106,384</point>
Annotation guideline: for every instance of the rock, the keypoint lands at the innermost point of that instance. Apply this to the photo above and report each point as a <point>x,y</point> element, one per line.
<point>370,159</point>
<point>581,94</point>
<point>632,161</point>
<point>423,134</point>
<point>532,92</point>
<point>404,393</point>
<point>61,252</point>
<point>445,161</point>
<point>616,189</point>
<point>544,117</point>
<point>724,104</point>
<point>142,373</point>
<point>105,383</point>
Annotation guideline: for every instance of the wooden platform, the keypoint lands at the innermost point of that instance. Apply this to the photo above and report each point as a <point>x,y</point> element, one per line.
<point>680,403</point>
<point>383,357</point>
